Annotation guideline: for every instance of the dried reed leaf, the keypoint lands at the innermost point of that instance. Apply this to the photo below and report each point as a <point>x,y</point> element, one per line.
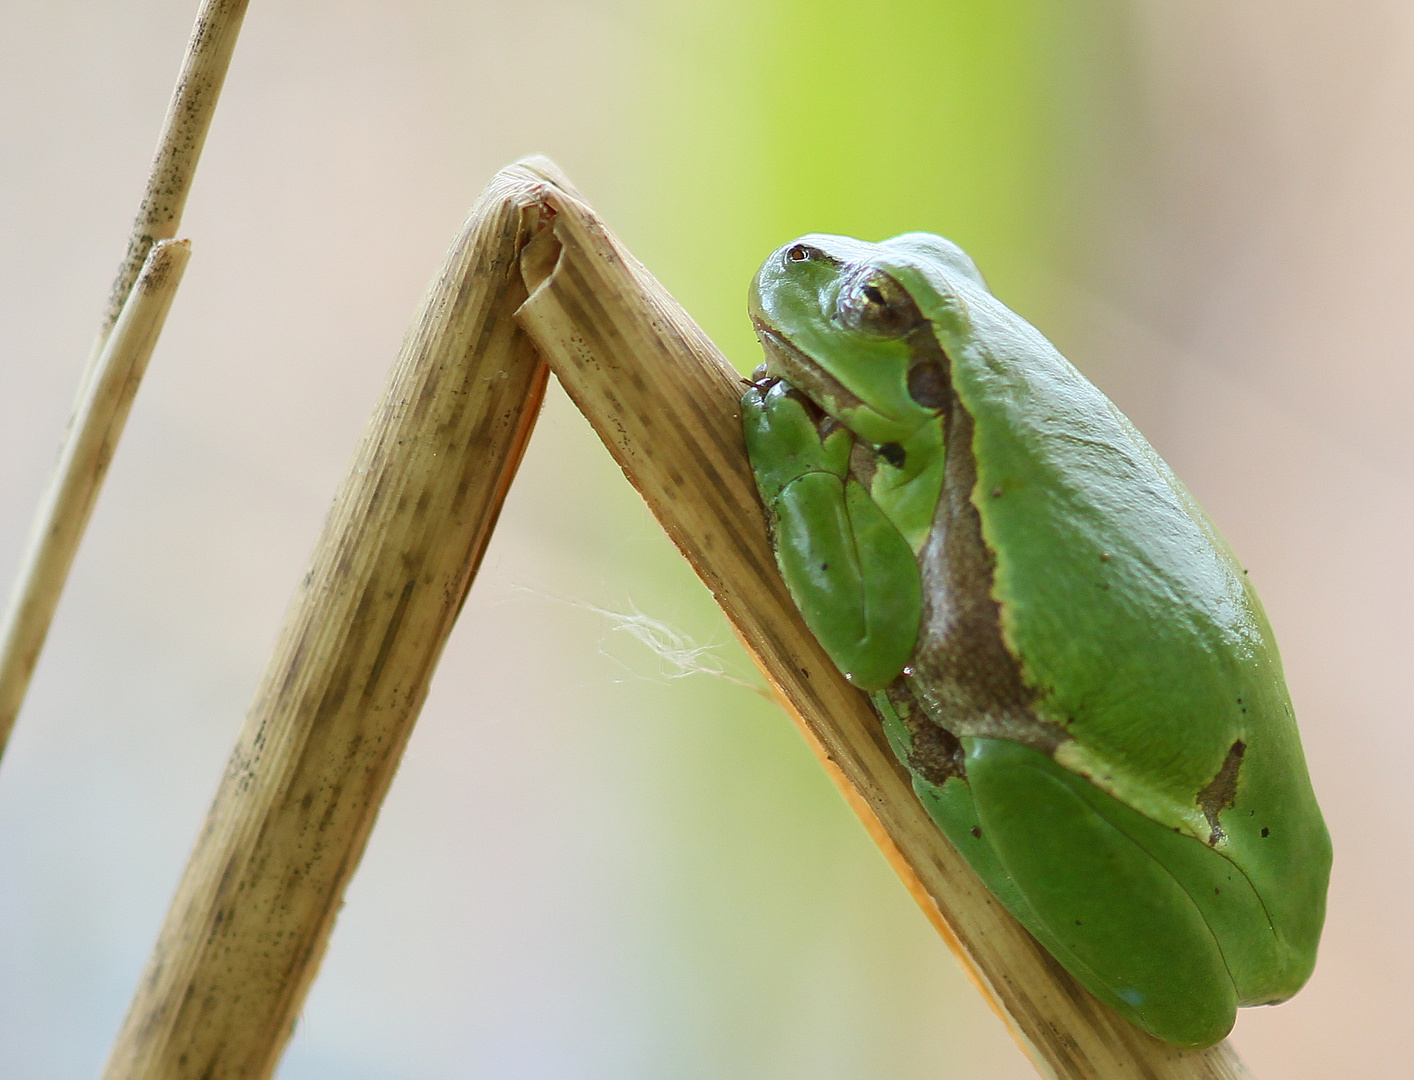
<point>349,674</point>
<point>664,401</point>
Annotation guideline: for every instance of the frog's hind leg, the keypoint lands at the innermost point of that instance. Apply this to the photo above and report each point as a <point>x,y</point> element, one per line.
<point>1115,917</point>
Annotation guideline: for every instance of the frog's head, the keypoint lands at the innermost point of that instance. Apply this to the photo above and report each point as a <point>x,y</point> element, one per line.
<point>854,326</point>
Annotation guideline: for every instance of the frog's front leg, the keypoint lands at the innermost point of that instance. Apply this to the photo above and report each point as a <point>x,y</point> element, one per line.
<point>849,570</point>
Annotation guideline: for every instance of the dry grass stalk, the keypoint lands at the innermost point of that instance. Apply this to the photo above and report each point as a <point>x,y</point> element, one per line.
<point>664,401</point>
<point>208,55</point>
<point>349,674</point>
<point>63,516</point>
<point>83,463</point>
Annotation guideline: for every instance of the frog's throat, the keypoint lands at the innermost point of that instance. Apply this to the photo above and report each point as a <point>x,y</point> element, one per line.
<point>962,673</point>
<point>789,363</point>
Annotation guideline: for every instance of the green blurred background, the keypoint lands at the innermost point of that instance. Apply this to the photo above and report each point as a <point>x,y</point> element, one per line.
<point>593,864</point>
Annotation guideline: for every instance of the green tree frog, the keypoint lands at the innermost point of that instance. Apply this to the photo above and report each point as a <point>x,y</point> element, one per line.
<point>1063,651</point>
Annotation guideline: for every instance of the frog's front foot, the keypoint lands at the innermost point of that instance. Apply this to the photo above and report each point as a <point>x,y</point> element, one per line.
<point>850,572</point>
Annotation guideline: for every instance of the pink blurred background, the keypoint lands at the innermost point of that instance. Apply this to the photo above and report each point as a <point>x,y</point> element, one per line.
<point>589,866</point>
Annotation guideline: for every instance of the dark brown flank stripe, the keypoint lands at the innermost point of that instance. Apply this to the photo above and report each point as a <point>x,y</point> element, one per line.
<point>1221,792</point>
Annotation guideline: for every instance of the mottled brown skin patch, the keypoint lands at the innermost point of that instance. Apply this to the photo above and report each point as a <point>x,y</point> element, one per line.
<point>863,463</point>
<point>935,754</point>
<point>1221,792</point>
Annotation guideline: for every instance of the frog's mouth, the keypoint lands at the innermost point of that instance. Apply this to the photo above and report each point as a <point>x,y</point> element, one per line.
<point>784,361</point>
<point>928,374</point>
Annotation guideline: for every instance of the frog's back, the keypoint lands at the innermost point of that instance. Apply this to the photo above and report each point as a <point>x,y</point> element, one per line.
<point>1132,621</point>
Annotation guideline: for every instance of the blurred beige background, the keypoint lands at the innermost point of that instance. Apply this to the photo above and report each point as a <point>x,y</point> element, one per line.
<point>588,867</point>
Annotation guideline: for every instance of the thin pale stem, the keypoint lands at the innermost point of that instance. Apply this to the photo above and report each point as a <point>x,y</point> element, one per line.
<point>83,463</point>
<point>98,421</point>
<point>203,72</point>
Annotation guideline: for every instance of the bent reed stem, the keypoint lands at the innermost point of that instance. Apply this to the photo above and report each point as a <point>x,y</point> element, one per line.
<point>314,759</point>
<point>665,402</point>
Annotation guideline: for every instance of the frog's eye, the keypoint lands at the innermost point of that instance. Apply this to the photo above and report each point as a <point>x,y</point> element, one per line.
<point>874,303</point>
<point>800,253</point>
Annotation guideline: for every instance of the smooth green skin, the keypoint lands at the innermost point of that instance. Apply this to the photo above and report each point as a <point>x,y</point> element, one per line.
<point>1132,625</point>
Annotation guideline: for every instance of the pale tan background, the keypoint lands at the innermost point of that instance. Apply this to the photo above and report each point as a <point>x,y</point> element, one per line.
<point>587,868</point>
